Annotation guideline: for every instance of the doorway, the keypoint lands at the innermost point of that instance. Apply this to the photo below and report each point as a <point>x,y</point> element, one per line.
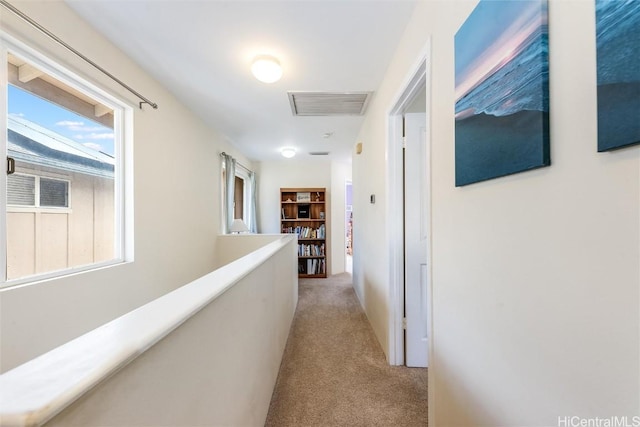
<point>409,220</point>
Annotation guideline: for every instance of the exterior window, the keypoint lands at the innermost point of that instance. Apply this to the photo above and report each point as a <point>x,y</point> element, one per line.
<point>21,190</point>
<point>25,190</point>
<point>238,195</point>
<point>242,204</point>
<point>64,203</point>
<point>54,193</point>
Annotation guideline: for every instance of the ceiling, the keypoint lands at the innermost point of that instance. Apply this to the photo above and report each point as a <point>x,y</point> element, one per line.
<point>202,52</point>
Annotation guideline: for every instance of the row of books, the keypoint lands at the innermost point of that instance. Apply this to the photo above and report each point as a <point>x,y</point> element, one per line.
<point>314,266</point>
<point>311,250</point>
<point>306,232</point>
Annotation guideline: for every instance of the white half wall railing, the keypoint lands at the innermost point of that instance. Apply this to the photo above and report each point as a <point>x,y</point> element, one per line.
<point>206,354</point>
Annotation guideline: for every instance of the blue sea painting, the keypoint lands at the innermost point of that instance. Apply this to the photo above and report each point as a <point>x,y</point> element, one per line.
<point>618,57</point>
<point>502,90</point>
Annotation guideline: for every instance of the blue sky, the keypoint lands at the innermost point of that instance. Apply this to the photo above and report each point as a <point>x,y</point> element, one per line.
<point>60,120</point>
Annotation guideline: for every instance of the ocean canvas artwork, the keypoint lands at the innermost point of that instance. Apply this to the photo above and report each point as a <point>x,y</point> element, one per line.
<point>502,90</point>
<point>618,59</point>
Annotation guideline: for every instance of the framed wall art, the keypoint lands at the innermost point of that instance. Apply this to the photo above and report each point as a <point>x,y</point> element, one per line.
<point>618,59</point>
<point>502,90</point>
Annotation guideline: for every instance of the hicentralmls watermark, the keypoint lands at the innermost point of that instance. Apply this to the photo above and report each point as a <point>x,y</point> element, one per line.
<point>614,421</point>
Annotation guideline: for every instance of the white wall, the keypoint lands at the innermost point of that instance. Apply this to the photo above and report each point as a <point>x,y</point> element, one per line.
<point>173,244</point>
<point>204,372</point>
<point>230,247</point>
<point>296,173</point>
<point>535,276</point>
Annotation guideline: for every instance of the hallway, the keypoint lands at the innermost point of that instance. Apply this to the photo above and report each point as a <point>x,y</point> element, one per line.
<point>334,372</point>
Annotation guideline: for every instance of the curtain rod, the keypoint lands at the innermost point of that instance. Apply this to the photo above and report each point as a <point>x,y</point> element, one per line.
<point>59,41</point>
<point>237,162</point>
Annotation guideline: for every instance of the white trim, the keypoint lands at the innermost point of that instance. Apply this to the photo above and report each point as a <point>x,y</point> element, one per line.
<point>35,209</point>
<point>395,241</point>
<point>4,77</point>
<point>414,81</point>
<point>124,198</point>
<point>52,67</point>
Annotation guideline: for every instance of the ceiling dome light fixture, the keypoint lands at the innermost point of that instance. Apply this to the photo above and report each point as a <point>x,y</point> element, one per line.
<point>288,152</point>
<point>266,68</point>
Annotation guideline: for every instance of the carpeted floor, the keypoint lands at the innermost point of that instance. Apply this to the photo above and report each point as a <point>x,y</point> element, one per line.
<point>334,372</point>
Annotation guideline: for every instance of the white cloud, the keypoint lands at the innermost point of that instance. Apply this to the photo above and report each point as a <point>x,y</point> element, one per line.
<point>69,123</point>
<point>79,126</point>
<point>85,128</point>
<point>95,136</point>
<point>16,114</point>
<point>106,135</point>
<point>93,146</point>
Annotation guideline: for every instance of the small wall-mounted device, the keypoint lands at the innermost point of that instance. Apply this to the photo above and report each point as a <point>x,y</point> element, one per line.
<point>359,148</point>
<point>372,199</point>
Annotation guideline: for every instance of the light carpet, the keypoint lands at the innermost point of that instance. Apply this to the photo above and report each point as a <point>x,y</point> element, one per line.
<point>334,372</point>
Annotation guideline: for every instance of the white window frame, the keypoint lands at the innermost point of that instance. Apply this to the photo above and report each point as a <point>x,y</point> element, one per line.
<point>123,154</point>
<point>243,174</point>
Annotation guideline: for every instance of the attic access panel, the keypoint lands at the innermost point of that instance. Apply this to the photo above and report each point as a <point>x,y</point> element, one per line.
<point>328,103</point>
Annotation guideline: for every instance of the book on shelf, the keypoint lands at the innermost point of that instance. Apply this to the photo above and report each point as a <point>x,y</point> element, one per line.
<point>306,232</point>
<point>316,266</point>
<point>311,250</point>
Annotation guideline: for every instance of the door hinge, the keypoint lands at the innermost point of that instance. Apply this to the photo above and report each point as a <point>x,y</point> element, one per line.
<point>404,323</point>
<point>11,165</point>
<point>404,142</point>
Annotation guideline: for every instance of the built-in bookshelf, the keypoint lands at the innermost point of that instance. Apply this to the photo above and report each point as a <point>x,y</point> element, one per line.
<point>303,212</point>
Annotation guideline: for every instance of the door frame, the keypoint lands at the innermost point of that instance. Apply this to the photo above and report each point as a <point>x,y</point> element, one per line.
<point>419,77</point>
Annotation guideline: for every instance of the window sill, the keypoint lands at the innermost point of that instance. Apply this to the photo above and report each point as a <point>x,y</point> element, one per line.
<point>35,209</point>
<point>59,274</point>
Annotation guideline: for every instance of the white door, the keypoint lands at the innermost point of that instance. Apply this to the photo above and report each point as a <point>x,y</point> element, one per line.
<point>415,241</point>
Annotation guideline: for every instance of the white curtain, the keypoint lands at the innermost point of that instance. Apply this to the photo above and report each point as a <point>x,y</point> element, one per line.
<point>229,164</point>
<point>253,202</point>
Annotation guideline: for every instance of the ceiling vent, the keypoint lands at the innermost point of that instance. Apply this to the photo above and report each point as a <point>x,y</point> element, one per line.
<point>319,153</point>
<point>329,103</point>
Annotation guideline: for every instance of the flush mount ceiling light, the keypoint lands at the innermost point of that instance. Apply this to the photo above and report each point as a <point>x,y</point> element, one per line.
<point>288,152</point>
<point>266,68</point>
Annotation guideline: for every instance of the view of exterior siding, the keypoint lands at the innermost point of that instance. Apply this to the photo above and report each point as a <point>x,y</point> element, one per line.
<point>43,238</point>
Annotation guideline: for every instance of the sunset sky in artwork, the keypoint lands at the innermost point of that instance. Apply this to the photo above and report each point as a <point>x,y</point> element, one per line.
<point>490,37</point>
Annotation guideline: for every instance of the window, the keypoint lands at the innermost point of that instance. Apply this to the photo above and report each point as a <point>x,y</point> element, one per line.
<point>64,202</point>
<point>54,193</point>
<point>35,191</point>
<point>242,206</point>
<point>238,203</point>
<point>21,190</point>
